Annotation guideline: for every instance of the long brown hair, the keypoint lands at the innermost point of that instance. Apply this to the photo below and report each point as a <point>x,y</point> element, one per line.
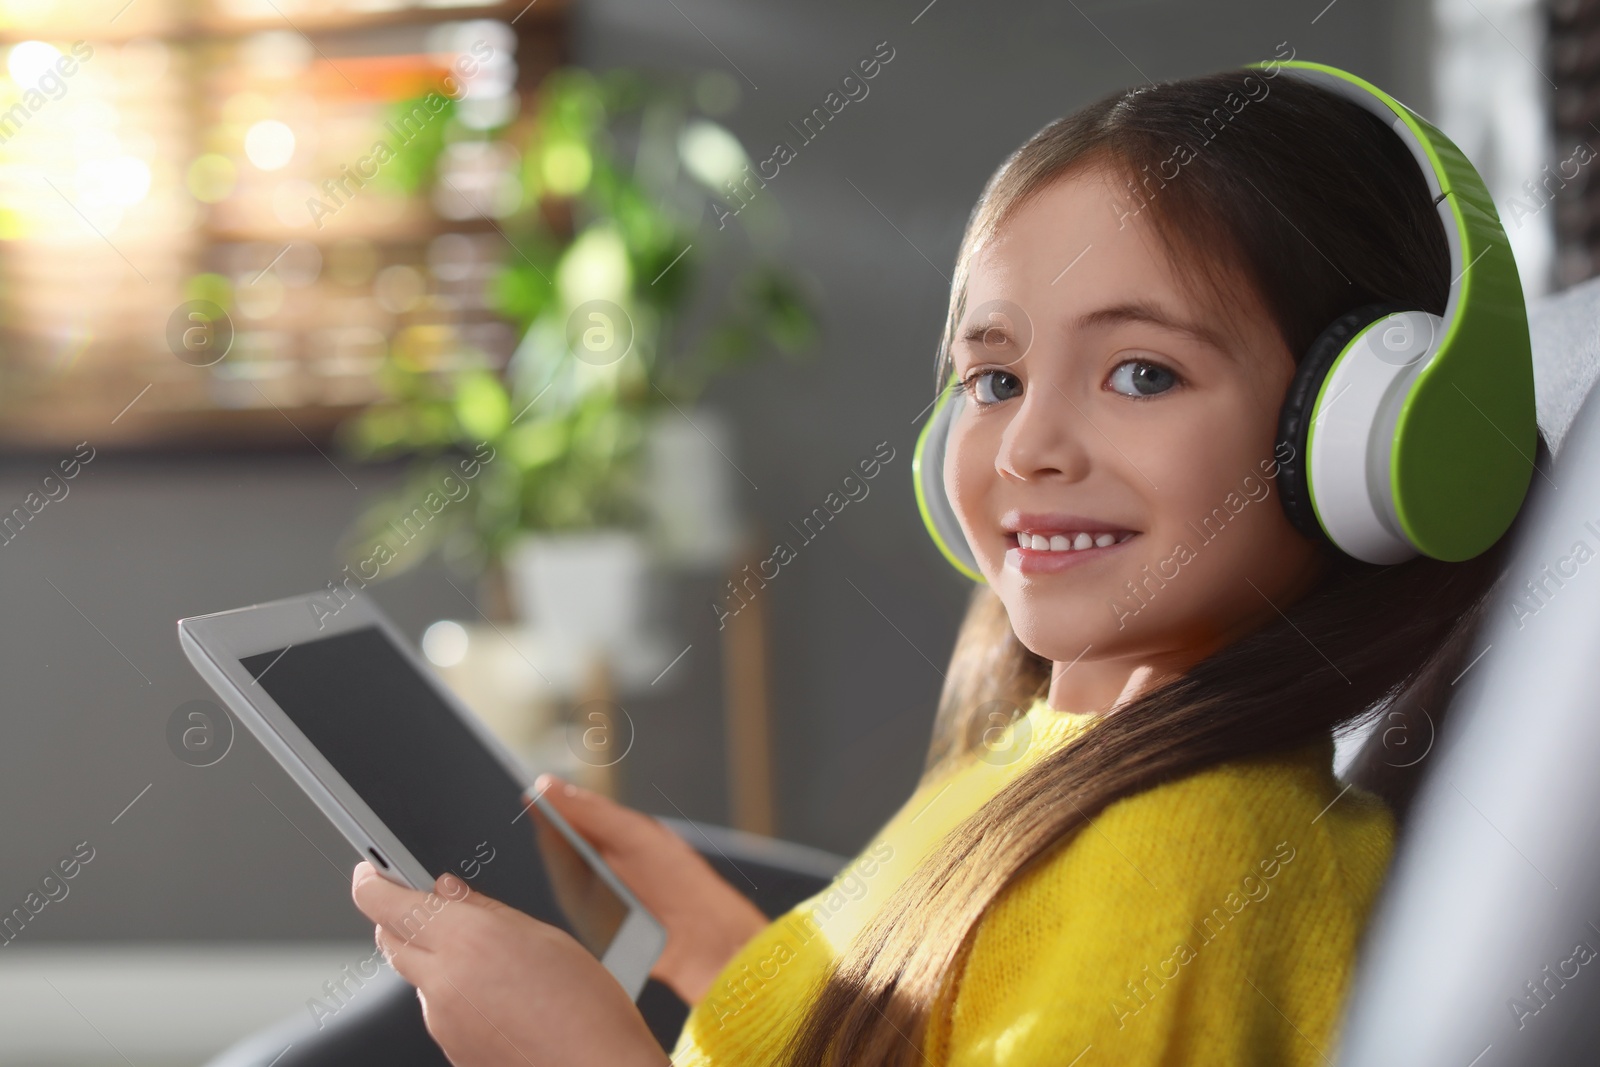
<point>1322,209</point>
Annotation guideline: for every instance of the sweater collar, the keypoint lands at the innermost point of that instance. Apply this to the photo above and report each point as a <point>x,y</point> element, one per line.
<point>1049,728</point>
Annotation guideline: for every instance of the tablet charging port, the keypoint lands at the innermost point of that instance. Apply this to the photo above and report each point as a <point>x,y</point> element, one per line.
<point>381,861</point>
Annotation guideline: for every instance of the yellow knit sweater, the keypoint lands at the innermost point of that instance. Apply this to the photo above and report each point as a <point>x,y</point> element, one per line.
<point>1210,920</point>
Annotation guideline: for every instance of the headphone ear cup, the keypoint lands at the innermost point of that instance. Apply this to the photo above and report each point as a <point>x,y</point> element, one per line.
<point>1294,418</point>
<point>933,501</point>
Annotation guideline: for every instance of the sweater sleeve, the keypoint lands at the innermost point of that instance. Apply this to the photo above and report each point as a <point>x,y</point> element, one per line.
<point>1212,920</point>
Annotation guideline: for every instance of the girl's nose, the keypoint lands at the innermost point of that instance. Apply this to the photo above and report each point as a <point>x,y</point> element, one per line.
<point>1045,438</point>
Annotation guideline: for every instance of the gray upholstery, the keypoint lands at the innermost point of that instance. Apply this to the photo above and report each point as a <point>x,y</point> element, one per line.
<point>1566,355</point>
<point>1482,946</point>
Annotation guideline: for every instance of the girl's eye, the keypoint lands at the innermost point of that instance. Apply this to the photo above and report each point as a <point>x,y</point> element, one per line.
<point>992,392</point>
<point>1137,378</point>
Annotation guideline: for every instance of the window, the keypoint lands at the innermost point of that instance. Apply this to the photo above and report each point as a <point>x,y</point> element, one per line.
<point>157,154</point>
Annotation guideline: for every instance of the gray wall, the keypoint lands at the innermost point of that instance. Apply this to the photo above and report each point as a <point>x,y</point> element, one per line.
<point>862,620</point>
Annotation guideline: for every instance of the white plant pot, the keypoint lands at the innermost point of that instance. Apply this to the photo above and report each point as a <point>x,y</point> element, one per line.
<point>581,590</point>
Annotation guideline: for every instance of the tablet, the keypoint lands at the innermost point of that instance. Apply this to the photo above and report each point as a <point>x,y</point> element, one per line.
<point>409,774</point>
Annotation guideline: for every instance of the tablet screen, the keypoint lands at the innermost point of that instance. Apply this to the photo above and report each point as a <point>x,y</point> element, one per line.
<point>447,798</point>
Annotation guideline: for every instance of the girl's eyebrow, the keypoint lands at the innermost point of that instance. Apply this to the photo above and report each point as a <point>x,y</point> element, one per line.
<point>983,331</point>
<point>1143,311</point>
<point>1114,314</point>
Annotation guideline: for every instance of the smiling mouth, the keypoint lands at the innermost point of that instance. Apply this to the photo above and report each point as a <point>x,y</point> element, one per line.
<point>1068,541</point>
<point>1036,554</point>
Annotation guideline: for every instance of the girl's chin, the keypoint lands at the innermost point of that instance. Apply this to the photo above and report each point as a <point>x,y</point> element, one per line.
<point>1060,625</point>
<point>1052,600</point>
<point>1046,636</point>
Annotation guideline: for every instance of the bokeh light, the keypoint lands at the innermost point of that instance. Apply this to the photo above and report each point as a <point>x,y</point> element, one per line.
<point>269,144</point>
<point>595,268</point>
<point>29,60</point>
<point>445,643</point>
<point>399,288</point>
<point>211,177</point>
<point>711,153</point>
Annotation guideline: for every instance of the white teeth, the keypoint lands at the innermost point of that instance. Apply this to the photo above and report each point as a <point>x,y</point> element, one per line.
<point>1070,542</point>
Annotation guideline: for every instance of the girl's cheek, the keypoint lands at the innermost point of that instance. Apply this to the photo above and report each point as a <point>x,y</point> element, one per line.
<point>970,472</point>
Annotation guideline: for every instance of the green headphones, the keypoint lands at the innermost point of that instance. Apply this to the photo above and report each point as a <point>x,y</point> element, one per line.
<point>1407,433</point>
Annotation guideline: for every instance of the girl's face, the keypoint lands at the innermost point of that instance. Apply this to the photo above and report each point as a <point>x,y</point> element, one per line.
<point>1110,407</point>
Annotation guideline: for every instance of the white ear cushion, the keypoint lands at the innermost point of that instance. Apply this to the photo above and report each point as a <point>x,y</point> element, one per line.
<point>936,486</point>
<point>1352,434</point>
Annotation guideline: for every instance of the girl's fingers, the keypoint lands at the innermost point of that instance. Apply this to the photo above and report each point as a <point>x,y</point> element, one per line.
<point>598,818</point>
<point>393,951</point>
<point>561,794</point>
<point>573,803</point>
<point>407,915</point>
<point>408,961</point>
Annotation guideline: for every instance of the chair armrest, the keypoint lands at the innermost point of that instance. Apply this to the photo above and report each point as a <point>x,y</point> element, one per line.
<point>386,1026</point>
<point>775,874</point>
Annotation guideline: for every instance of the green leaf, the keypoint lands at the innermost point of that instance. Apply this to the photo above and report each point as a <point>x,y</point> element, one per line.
<point>731,344</point>
<point>787,316</point>
<point>519,293</point>
<point>482,407</point>
<point>418,146</point>
<point>534,444</point>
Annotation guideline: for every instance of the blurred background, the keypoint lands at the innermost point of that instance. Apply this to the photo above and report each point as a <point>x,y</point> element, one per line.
<point>665,275</point>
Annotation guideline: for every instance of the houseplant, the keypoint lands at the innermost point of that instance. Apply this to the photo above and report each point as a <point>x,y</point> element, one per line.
<point>604,285</point>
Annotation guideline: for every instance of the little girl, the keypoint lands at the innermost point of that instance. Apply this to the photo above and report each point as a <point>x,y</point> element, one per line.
<point>1128,846</point>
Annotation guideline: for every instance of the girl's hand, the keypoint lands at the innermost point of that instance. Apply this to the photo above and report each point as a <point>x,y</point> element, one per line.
<point>707,920</point>
<point>498,987</point>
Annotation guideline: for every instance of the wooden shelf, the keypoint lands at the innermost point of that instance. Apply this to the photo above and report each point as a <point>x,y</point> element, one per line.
<point>407,231</point>
<point>264,426</point>
<point>321,23</point>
